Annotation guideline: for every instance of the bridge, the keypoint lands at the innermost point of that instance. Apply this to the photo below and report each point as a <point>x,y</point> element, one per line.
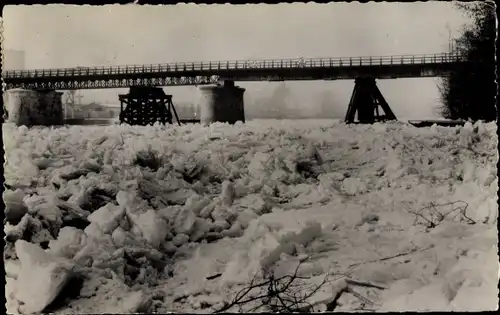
<point>202,73</point>
<point>364,69</point>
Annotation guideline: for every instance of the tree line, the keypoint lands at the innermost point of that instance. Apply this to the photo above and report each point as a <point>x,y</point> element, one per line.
<point>469,93</point>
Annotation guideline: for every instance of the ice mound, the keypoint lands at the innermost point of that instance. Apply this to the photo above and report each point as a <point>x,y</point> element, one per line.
<point>41,278</point>
<point>135,202</point>
<point>267,244</point>
<point>463,288</point>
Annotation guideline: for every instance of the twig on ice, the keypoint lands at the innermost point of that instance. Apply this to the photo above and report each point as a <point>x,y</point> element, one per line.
<point>393,256</point>
<point>429,222</point>
<point>359,296</point>
<point>364,284</point>
<point>433,216</point>
<point>280,294</point>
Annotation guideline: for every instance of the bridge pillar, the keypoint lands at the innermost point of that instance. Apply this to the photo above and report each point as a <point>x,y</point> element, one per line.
<point>29,107</point>
<point>222,103</point>
<point>365,100</point>
<point>146,106</point>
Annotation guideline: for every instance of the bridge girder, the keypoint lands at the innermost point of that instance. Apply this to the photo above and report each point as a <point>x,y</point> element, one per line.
<point>115,83</point>
<point>211,72</point>
<point>305,75</point>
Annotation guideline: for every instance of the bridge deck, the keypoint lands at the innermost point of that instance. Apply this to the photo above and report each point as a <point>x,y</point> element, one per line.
<point>198,73</point>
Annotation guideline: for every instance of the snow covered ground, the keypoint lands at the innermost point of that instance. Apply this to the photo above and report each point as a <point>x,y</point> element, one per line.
<point>383,217</point>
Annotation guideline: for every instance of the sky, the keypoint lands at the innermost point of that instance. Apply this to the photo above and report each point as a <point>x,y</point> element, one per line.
<point>66,36</point>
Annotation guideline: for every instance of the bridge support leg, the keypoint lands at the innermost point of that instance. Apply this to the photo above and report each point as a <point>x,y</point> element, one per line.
<point>222,103</point>
<point>365,100</point>
<point>146,106</point>
<point>30,108</point>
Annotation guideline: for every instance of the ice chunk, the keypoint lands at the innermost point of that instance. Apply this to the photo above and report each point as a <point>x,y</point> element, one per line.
<point>288,241</point>
<point>91,165</point>
<point>66,173</point>
<point>136,302</point>
<point>219,225</point>
<point>208,209</point>
<point>42,235</point>
<point>174,190</point>
<point>235,230</point>
<point>107,217</point>
<point>256,185</point>
<point>119,236</point>
<point>476,288</point>
<point>240,189</point>
<point>45,206</point>
<point>15,208</point>
<point>12,304</point>
<point>12,268</point>
<point>473,298</point>
<point>330,182</point>
<point>434,294</point>
<point>370,218</point>
<point>95,250</point>
<point>353,186</point>
<point>245,217</point>
<point>279,175</point>
<point>200,228</point>
<point>486,212</point>
<point>131,201</point>
<point>111,260</point>
<point>213,236</point>
<point>15,232</point>
<point>467,136</point>
<point>135,230</point>
<point>94,231</point>
<point>196,203</point>
<point>227,193</point>
<point>179,197</point>
<point>170,213</point>
<point>42,276</point>
<point>69,241</point>
<point>259,165</point>
<point>223,213</point>
<point>245,264</point>
<point>170,248</point>
<point>184,221</point>
<point>254,202</point>
<point>180,239</point>
<point>154,228</point>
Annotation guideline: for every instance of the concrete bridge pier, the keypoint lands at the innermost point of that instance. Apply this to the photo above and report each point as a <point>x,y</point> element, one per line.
<point>30,107</point>
<point>222,103</point>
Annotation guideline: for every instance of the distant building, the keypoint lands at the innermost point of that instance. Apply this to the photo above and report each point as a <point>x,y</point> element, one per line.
<point>13,60</point>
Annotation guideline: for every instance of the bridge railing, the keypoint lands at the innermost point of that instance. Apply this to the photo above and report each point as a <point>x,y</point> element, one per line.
<point>181,68</point>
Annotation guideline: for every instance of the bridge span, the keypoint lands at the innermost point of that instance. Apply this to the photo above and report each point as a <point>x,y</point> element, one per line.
<point>212,72</point>
<point>147,103</point>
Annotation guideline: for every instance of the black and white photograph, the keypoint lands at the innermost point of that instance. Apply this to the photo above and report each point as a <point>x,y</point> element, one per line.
<point>250,158</point>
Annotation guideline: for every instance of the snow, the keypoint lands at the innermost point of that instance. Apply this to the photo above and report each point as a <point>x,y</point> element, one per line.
<point>68,243</point>
<point>41,277</point>
<point>168,218</point>
<point>14,206</point>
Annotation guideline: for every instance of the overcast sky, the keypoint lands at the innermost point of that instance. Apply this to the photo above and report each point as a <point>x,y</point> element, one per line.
<point>66,36</point>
